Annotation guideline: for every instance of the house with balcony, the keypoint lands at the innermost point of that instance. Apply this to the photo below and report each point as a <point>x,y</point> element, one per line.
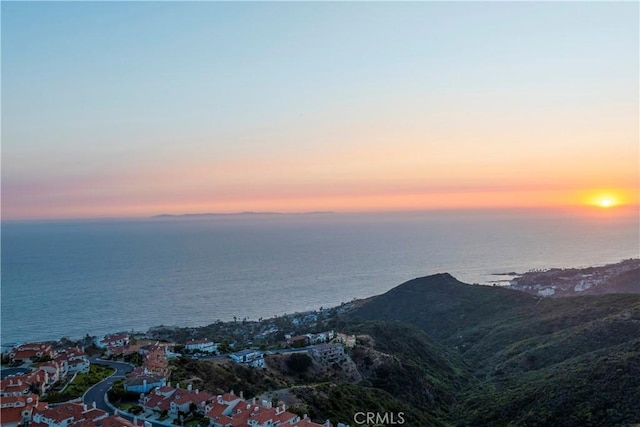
<point>249,357</point>
<point>202,345</point>
<point>327,353</point>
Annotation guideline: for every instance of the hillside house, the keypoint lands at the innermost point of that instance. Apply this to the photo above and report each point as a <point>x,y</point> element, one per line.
<point>202,345</point>
<point>328,353</point>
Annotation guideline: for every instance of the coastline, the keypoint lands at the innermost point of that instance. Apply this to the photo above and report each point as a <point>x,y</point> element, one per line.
<point>512,283</point>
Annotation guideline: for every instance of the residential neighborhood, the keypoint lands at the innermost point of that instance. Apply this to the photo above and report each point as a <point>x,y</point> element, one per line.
<point>45,369</point>
<point>226,410</point>
<point>41,370</point>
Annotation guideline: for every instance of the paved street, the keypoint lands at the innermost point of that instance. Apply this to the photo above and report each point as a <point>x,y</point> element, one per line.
<point>97,392</point>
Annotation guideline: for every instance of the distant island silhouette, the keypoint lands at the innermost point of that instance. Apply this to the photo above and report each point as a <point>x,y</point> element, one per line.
<point>246,213</point>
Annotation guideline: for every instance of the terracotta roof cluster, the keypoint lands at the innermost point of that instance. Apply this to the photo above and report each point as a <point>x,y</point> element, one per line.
<point>74,353</point>
<point>155,401</point>
<point>226,410</point>
<point>155,360</point>
<point>115,340</point>
<point>30,350</point>
<point>69,414</point>
<point>162,398</point>
<point>243,413</point>
<point>21,384</point>
<point>13,407</point>
<point>13,386</point>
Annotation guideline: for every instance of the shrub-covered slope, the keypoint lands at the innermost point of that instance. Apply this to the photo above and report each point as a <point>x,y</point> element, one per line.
<point>447,353</point>
<point>570,361</point>
<point>441,305</point>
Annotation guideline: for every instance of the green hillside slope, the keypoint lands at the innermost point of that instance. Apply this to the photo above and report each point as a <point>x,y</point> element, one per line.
<point>569,361</point>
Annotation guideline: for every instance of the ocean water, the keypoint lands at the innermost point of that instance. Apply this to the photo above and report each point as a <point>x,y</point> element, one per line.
<point>73,278</point>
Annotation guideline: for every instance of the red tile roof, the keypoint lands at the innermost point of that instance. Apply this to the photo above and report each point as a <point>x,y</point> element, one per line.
<point>286,416</point>
<point>12,400</point>
<point>264,414</point>
<point>229,397</point>
<point>182,398</point>
<point>11,415</point>
<point>224,420</point>
<point>306,422</point>
<point>117,337</point>
<point>117,421</point>
<point>216,410</point>
<point>72,410</point>
<point>17,384</point>
<point>24,354</point>
<point>164,405</point>
<point>154,400</point>
<point>20,404</point>
<point>240,417</point>
<point>34,346</point>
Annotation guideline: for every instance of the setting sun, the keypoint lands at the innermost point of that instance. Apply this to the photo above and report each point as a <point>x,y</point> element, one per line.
<point>605,200</point>
<point>606,203</point>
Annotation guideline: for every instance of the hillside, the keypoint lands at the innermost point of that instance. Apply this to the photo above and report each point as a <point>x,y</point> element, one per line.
<point>441,305</point>
<point>599,388</point>
<point>398,367</point>
<point>527,353</point>
<point>448,353</point>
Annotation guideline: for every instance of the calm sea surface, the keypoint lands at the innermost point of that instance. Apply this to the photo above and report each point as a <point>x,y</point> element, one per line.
<point>72,278</point>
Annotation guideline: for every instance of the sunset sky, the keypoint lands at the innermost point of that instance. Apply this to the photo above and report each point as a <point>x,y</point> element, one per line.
<point>128,109</point>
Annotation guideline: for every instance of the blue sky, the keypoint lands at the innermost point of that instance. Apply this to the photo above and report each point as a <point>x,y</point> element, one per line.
<point>170,105</point>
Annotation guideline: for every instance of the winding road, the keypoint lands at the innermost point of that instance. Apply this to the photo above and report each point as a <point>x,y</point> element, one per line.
<point>98,392</point>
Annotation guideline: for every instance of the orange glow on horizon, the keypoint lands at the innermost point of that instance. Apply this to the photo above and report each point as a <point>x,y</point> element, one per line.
<point>534,199</point>
<point>609,198</point>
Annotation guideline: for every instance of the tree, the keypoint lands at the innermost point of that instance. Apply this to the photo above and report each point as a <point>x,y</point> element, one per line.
<point>135,358</point>
<point>6,359</point>
<point>35,388</point>
<point>299,362</point>
<point>224,347</point>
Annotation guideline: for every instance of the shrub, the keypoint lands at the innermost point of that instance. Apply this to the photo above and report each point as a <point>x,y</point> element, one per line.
<point>299,362</point>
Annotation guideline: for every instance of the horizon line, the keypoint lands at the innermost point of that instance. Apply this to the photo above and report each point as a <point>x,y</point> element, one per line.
<point>194,215</point>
